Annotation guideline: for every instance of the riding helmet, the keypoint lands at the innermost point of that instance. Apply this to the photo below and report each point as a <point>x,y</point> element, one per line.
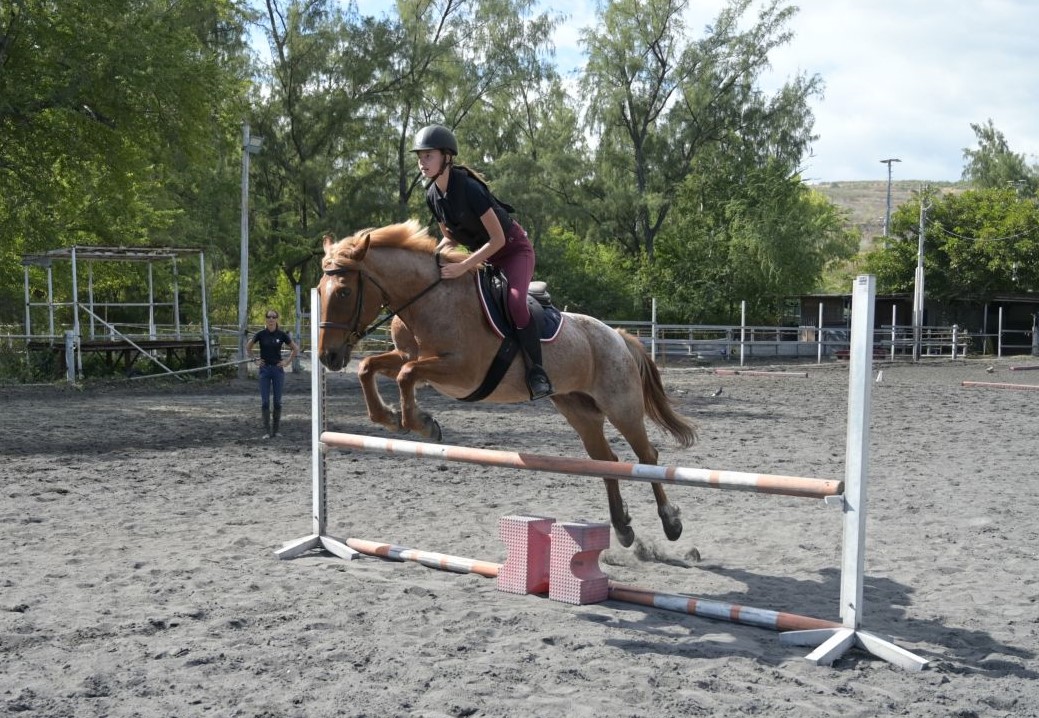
<point>436,137</point>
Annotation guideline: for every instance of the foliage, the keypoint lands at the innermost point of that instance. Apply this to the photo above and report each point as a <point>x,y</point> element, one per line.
<point>658,100</point>
<point>660,169</point>
<point>588,278</point>
<point>744,233</point>
<point>993,165</point>
<point>109,114</point>
<point>976,244</point>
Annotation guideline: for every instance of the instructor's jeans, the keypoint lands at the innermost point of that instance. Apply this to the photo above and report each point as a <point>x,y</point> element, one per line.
<point>271,377</point>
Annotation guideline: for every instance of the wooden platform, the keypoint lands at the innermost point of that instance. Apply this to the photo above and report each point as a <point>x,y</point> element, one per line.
<point>121,355</point>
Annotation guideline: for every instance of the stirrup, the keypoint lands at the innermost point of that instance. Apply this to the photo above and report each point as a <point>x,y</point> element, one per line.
<point>538,384</point>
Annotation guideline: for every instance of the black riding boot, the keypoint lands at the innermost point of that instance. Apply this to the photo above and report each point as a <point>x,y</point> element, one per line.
<point>266,423</point>
<point>537,379</point>
<point>277,420</point>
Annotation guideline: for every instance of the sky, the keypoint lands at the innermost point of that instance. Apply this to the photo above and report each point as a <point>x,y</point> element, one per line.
<point>903,79</point>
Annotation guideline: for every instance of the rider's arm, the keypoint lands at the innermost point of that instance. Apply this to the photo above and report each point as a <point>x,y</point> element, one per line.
<point>448,242</point>
<point>494,244</point>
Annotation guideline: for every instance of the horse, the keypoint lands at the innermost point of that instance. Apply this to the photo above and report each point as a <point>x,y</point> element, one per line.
<point>441,338</point>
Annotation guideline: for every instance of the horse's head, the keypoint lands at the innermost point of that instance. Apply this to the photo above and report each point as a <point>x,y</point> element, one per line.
<point>350,300</point>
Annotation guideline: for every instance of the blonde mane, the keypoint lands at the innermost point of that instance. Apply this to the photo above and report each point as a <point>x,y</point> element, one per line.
<point>409,235</point>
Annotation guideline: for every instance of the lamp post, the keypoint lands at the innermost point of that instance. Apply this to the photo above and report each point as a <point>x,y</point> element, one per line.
<point>250,146</point>
<point>887,213</point>
<point>918,280</point>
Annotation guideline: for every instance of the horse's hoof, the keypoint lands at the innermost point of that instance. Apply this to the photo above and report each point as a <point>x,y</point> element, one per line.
<point>626,536</point>
<point>671,522</point>
<point>435,433</point>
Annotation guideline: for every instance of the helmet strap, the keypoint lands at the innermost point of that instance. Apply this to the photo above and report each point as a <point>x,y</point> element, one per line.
<point>446,164</point>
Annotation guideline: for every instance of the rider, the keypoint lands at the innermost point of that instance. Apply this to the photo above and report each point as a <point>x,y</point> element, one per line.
<point>469,214</point>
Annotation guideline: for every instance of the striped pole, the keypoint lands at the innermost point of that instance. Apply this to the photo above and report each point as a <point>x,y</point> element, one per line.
<point>710,478</point>
<point>441,561</point>
<point>752,372</point>
<point>624,593</point>
<point>731,612</point>
<point>1001,385</point>
<point>1025,368</point>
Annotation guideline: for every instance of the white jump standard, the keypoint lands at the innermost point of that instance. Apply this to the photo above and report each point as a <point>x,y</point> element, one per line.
<point>831,640</point>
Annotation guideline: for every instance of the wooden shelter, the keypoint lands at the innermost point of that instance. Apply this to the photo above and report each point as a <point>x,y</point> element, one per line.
<point>86,325</point>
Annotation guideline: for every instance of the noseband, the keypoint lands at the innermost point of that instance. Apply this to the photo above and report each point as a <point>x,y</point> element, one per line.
<point>354,336</point>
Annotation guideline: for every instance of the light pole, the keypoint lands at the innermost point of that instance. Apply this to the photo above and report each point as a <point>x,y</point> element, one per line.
<point>887,213</point>
<point>918,280</point>
<point>250,146</point>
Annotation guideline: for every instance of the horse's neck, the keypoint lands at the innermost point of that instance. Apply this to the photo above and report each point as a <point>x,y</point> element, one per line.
<point>404,275</point>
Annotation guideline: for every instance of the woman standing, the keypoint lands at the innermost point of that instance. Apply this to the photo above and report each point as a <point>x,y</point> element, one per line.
<point>470,215</point>
<point>272,368</point>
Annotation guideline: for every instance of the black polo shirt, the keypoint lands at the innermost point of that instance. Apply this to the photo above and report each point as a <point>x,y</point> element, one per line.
<point>462,206</point>
<point>271,344</point>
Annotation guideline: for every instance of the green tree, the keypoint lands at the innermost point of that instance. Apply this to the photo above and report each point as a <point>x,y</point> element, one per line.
<point>993,165</point>
<point>753,234</point>
<point>976,244</point>
<point>657,100</point>
<point>110,116</point>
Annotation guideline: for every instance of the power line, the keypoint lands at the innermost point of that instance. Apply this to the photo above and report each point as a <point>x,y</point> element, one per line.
<point>950,233</point>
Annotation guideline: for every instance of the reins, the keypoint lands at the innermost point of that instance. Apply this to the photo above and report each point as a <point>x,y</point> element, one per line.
<point>354,336</point>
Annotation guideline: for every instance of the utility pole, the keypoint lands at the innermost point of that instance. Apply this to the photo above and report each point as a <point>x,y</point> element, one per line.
<point>250,145</point>
<point>887,213</point>
<point>918,283</point>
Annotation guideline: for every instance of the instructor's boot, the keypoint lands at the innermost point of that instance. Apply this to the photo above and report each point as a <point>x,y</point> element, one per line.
<point>537,379</point>
<point>277,420</point>
<point>266,423</point>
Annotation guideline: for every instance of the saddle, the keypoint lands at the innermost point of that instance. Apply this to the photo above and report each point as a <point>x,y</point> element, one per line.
<point>494,291</point>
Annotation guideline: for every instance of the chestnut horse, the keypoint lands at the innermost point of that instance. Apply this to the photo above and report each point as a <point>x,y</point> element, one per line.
<point>441,338</point>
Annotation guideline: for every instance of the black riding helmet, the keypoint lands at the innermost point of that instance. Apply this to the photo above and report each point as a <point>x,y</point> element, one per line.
<point>436,137</point>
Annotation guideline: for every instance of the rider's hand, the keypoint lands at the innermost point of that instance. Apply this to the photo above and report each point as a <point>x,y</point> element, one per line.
<point>453,270</point>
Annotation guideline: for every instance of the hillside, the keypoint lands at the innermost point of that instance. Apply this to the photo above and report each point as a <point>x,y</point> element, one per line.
<point>866,201</point>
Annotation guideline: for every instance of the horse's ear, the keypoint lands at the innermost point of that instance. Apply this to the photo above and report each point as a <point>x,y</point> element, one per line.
<point>361,248</point>
<point>328,242</point>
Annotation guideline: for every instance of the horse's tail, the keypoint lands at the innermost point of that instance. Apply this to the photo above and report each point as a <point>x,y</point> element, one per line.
<point>657,405</point>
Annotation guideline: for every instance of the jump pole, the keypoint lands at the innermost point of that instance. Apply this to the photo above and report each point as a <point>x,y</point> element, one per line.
<point>676,475</point>
<point>318,465</point>
<point>624,593</point>
<point>1000,385</point>
<point>832,643</point>
<point>760,372</point>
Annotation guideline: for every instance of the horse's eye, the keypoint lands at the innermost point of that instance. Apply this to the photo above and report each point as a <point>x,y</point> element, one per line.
<point>343,292</point>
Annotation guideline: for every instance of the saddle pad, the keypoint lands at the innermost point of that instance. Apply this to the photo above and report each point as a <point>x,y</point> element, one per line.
<point>551,319</point>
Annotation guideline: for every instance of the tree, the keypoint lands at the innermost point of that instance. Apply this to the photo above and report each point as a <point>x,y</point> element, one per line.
<point>312,110</point>
<point>744,233</point>
<point>994,166</point>
<point>976,244</point>
<point>109,121</point>
<point>658,100</point>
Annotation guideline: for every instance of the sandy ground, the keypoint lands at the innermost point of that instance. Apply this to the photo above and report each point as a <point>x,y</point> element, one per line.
<point>139,524</point>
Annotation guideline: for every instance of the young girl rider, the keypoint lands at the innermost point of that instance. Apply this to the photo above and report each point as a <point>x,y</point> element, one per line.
<point>470,215</point>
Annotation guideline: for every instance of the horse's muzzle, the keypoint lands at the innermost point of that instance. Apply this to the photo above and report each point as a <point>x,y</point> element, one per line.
<point>335,359</point>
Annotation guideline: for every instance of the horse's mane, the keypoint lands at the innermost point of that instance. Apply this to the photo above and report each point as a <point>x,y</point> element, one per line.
<point>409,235</point>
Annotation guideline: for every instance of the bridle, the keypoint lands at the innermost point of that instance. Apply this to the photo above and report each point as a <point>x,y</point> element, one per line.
<point>354,336</point>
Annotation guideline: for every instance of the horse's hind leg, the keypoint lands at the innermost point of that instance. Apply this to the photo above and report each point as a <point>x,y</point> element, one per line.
<point>632,426</point>
<point>582,414</point>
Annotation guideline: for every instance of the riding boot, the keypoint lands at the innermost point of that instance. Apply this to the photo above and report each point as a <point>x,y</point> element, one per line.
<point>266,423</point>
<point>537,379</point>
<point>277,420</point>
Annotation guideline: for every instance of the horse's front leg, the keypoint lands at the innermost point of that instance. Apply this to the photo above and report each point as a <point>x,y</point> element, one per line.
<point>389,365</point>
<point>425,369</point>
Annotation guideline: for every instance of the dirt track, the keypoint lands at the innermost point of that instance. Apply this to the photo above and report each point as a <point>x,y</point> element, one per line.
<point>139,525</point>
